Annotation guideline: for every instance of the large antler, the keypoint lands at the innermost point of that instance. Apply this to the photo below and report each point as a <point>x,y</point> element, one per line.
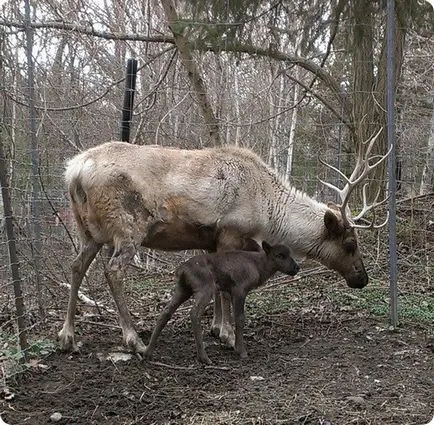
<point>361,170</point>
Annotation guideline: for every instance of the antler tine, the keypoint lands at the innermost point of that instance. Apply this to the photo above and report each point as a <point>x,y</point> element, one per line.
<point>334,169</point>
<point>363,159</point>
<point>379,226</point>
<point>371,142</point>
<point>343,193</point>
<point>367,208</point>
<point>331,186</point>
<point>372,225</point>
<point>362,168</point>
<point>366,169</point>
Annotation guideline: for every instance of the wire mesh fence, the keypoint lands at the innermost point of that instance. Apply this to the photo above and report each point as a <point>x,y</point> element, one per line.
<point>78,98</point>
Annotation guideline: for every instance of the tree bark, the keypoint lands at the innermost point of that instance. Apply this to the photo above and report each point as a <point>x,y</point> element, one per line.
<point>427,182</point>
<point>34,155</point>
<point>192,70</point>
<point>13,256</point>
<point>369,98</point>
<point>292,128</point>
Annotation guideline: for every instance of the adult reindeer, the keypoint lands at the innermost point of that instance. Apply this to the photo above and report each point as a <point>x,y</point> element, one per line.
<point>125,195</point>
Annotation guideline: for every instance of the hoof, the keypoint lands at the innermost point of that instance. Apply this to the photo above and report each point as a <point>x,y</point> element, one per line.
<point>147,354</point>
<point>243,355</point>
<point>135,344</point>
<point>67,342</point>
<point>228,339</point>
<point>225,334</point>
<point>204,359</point>
<point>215,331</point>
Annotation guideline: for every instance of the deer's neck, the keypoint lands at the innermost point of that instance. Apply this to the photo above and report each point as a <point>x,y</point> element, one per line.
<point>298,221</point>
<point>267,270</point>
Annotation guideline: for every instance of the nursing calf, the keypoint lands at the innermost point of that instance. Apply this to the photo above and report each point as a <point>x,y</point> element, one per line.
<point>232,273</point>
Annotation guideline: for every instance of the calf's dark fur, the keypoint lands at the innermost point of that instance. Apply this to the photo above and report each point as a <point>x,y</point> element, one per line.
<point>234,274</point>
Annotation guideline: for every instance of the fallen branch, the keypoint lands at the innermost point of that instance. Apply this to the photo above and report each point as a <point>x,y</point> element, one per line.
<point>85,299</point>
<point>169,366</point>
<point>284,280</point>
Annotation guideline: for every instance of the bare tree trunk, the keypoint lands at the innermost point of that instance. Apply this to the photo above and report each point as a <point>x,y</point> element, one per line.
<point>13,257</point>
<point>34,154</point>
<point>192,70</point>
<point>273,123</point>
<point>427,182</point>
<point>237,108</point>
<point>369,100</point>
<point>294,115</point>
<point>292,127</point>
<point>363,70</point>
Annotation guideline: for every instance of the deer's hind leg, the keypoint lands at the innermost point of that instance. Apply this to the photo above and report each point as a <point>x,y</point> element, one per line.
<point>88,250</point>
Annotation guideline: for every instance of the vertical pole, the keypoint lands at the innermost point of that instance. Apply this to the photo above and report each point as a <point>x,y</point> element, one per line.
<point>34,157</point>
<point>391,163</point>
<point>127,109</point>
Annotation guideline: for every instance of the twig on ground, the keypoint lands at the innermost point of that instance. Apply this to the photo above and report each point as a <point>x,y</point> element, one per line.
<point>85,299</point>
<point>169,366</point>
<point>172,366</point>
<point>283,280</point>
<point>227,368</point>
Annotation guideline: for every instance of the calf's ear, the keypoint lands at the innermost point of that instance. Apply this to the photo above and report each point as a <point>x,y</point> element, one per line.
<point>266,247</point>
<point>332,224</point>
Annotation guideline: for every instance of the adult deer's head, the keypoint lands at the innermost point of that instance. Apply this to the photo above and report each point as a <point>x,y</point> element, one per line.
<point>342,227</point>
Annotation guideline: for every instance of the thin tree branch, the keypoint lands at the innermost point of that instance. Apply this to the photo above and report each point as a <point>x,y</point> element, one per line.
<point>196,80</point>
<point>90,102</point>
<point>304,63</point>
<point>227,46</point>
<point>88,30</point>
<point>337,13</point>
<point>325,102</point>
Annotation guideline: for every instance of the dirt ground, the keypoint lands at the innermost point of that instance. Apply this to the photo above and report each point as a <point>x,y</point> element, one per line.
<point>320,353</point>
<point>322,362</point>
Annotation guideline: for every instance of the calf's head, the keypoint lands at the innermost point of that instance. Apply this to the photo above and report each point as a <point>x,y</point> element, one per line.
<point>340,251</point>
<point>280,257</point>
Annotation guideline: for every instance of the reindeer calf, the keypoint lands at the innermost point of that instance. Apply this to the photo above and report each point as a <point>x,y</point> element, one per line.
<point>233,274</point>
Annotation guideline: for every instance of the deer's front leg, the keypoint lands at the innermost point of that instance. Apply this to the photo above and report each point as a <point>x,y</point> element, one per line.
<point>238,306</point>
<point>227,334</point>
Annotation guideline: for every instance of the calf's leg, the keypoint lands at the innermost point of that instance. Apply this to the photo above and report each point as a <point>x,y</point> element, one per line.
<point>238,302</point>
<point>89,249</point>
<point>228,239</point>
<point>180,296</point>
<point>202,298</point>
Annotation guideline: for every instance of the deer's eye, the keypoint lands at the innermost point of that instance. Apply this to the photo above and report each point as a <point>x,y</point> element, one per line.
<point>350,246</point>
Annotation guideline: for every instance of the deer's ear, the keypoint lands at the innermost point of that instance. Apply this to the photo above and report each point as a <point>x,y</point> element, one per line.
<point>266,247</point>
<point>333,206</point>
<point>332,224</point>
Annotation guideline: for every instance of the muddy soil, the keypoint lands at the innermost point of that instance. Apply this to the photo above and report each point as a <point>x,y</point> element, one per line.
<point>305,366</point>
